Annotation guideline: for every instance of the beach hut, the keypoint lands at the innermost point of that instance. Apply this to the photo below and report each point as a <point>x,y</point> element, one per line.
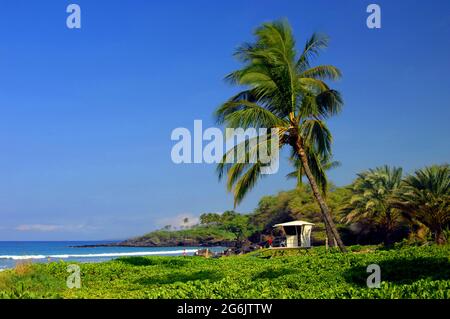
<point>298,233</point>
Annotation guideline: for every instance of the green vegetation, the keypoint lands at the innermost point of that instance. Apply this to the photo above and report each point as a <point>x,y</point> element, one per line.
<point>424,198</point>
<point>237,224</point>
<point>211,235</point>
<point>382,198</point>
<point>371,199</point>
<point>214,229</point>
<point>299,204</point>
<point>410,272</point>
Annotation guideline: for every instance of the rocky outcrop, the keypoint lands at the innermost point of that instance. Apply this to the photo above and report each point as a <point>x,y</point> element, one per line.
<point>148,242</point>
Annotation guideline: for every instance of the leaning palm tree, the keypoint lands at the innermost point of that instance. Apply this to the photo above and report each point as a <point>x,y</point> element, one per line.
<point>371,194</point>
<point>282,92</point>
<point>425,197</point>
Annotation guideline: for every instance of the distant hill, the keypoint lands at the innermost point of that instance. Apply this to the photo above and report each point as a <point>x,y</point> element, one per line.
<point>199,235</point>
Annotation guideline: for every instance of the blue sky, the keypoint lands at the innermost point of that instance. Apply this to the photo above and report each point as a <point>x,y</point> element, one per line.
<point>86,115</point>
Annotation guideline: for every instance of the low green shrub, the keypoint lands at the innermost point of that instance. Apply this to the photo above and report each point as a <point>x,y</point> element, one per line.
<point>407,272</point>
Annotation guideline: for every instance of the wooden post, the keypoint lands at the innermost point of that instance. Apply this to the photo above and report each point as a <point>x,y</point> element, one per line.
<point>326,243</point>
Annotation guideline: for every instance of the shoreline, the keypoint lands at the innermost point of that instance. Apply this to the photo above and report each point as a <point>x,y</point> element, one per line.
<point>152,245</point>
<point>94,253</point>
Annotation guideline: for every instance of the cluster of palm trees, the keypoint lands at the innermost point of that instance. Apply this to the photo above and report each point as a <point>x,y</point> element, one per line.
<point>383,197</point>
<point>284,91</point>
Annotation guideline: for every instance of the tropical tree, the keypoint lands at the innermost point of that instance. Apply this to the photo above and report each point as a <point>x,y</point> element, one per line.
<point>371,199</point>
<point>285,94</point>
<point>210,218</point>
<point>239,225</point>
<point>425,196</point>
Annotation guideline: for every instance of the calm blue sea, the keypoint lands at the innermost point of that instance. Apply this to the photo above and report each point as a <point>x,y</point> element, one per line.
<point>12,252</point>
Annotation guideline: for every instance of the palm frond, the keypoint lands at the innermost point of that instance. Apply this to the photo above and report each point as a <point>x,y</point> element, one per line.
<point>322,72</point>
<point>317,137</point>
<point>246,182</point>
<point>313,46</point>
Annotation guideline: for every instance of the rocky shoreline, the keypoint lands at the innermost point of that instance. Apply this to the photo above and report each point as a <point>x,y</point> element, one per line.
<point>170,243</point>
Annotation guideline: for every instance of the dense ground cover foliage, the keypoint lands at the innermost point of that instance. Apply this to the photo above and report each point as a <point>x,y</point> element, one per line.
<point>410,272</point>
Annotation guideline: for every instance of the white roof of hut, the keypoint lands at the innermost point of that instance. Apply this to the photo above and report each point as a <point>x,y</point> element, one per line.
<point>293,223</point>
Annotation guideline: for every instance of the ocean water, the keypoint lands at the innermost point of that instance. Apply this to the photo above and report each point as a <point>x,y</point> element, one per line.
<point>12,252</point>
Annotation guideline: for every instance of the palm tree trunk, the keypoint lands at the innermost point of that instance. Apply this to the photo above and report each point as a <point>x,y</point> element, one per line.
<point>323,206</point>
<point>439,237</point>
<point>329,234</point>
<point>388,230</point>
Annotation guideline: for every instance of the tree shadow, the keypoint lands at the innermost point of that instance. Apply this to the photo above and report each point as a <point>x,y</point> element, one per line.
<point>181,277</point>
<point>403,271</point>
<point>145,261</point>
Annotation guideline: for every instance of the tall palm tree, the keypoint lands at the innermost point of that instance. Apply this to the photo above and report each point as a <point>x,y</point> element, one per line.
<point>283,92</point>
<point>371,195</point>
<point>425,197</point>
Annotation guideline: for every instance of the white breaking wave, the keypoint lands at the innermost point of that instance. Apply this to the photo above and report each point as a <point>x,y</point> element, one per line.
<point>138,253</point>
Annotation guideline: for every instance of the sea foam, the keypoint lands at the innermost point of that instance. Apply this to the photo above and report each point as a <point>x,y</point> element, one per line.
<point>66,256</point>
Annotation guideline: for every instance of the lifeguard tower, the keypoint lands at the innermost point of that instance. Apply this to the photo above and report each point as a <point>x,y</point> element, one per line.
<point>298,233</point>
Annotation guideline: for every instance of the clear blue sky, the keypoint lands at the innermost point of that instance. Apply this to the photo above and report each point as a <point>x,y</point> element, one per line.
<point>86,115</point>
